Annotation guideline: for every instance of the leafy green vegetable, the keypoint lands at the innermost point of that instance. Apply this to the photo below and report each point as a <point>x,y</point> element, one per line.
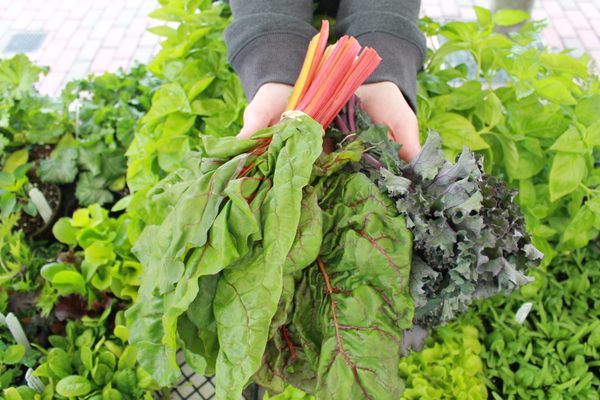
<point>348,305</point>
<point>535,120</point>
<point>470,240</point>
<point>449,366</point>
<point>554,353</point>
<point>25,115</point>
<point>88,361</point>
<point>240,217</point>
<point>202,94</point>
<point>105,261</point>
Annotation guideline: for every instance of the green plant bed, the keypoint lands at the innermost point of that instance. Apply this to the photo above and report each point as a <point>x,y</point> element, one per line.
<point>555,353</point>
<point>108,140</point>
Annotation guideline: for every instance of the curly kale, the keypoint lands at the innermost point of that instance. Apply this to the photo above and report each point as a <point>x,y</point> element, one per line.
<point>470,240</point>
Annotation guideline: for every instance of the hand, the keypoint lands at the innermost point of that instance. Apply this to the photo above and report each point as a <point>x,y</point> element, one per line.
<point>265,109</point>
<point>386,105</point>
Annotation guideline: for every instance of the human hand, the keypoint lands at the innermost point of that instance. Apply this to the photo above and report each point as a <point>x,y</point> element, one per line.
<point>386,105</point>
<point>265,109</point>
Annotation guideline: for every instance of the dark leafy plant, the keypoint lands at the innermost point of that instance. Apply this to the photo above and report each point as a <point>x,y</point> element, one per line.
<point>104,112</point>
<point>469,238</point>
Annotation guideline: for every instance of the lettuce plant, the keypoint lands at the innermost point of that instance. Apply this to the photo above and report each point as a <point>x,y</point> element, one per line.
<point>87,363</point>
<point>449,367</point>
<point>99,258</point>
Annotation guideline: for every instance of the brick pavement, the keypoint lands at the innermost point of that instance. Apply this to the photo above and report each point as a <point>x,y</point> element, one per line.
<point>93,36</point>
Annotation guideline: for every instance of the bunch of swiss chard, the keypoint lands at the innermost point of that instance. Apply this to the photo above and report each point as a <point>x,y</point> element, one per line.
<point>265,259</point>
<point>275,262</point>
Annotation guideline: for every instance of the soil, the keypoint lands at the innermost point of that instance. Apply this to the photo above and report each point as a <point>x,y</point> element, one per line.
<point>34,226</point>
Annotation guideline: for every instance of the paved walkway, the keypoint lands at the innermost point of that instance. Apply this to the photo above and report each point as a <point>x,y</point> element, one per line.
<point>83,36</point>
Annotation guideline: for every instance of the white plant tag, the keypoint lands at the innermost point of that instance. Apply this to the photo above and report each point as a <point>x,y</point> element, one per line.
<point>15,328</point>
<point>34,382</point>
<point>523,312</point>
<point>41,204</point>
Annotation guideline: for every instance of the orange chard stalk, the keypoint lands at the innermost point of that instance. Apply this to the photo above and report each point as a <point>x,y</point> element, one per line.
<point>330,76</point>
<point>310,66</point>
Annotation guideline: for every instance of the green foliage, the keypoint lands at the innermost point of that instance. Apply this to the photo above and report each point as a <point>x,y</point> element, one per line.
<point>469,236</point>
<point>20,262</point>
<point>25,115</point>
<point>14,358</point>
<point>89,361</point>
<point>89,127</point>
<point>532,113</point>
<point>99,257</point>
<point>241,211</point>
<point>449,367</point>
<point>554,354</point>
<point>349,304</point>
<point>104,112</point>
<point>202,94</point>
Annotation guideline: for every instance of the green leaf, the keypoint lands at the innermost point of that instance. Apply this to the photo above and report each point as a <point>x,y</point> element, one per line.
<point>592,134</point>
<point>509,17</point>
<point>49,270</point>
<point>12,393</point>
<point>81,218</point>
<point>569,142</point>
<point>456,132</point>
<point>15,160</point>
<point>61,168</point>
<point>69,282</point>
<point>168,99</point>
<point>466,96</point>
<point>99,253</point>
<point>554,90</point>
<point>92,189</point>
<point>243,310</point>
<point>568,170</point>
<point>73,385</point>
<point>64,231</point>
<point>564,63</point>
<point>59,362</point>
<point>484,16</point>
<point>587,110</point>
<point>489,111</point>
<point>87,358</point>
<point>242,290</point>
<point>128,358</point>
<point>13,354</point>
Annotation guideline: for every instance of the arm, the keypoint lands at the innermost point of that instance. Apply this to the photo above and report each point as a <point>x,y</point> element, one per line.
<point>389,97</point>
<point>390,27</point>
<point>267,40</point>
<point>266,44</point>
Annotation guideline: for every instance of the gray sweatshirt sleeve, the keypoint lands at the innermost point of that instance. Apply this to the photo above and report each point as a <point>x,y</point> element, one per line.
<point>390,27</point>
<point>267,40</point>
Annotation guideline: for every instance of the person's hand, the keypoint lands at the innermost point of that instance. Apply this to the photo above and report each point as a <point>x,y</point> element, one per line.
<point>386,105</point>
<point>265,109</point>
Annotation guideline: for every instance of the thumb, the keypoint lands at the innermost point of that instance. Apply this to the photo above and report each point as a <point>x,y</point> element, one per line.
<point>254,120</point>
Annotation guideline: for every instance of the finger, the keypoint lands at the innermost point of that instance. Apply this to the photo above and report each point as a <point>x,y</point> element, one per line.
<point>409,151</point>
<point>254,121</point>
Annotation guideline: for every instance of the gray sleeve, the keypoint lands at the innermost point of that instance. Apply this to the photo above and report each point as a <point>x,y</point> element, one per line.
<point>267,40</point>
<point>391,28</point>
